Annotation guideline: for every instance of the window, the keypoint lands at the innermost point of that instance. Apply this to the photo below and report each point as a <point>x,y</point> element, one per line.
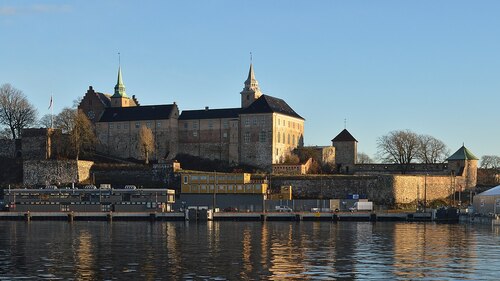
<point>262,136</point>
<point>111,126</point>
<point>195,134</point>
<point>125,126</point>
<point>288,138</point>
<point>148,124</point>
<point>247,122</point>
<point>185,125</point>
<point>246,137</point>
<point>118,126</point>
<point>279,122</point>
<point>293,140</point>
<point>262,121</point>
<point>224,135</point>
<point>225,124</point>
<point>210,124</point>
<point>254,121</point>
<point>158,124</point>
<point>195,125</point>
<point>137,125</point>
<point>279,137</point>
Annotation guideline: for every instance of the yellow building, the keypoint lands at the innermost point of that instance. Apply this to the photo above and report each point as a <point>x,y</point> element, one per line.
<point>221,183</point>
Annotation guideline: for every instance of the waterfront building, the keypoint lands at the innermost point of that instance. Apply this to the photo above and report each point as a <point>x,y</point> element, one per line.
<point>230,191</point>
<point>90,199</point>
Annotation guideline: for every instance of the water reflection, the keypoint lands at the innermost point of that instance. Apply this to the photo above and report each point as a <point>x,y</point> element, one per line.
<point>248,251</point>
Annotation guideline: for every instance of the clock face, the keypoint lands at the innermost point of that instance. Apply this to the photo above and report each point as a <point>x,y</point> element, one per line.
<point>91,115</point>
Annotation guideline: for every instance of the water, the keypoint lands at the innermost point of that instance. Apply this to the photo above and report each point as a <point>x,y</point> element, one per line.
<point>42,250</point>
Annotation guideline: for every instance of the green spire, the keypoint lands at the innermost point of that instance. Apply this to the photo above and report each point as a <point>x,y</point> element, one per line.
<point>120,87</point>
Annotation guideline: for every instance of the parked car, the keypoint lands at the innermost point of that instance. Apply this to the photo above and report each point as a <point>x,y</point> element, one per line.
<point>90,186</point>
<point>283,209</point>
<point>130,186</point>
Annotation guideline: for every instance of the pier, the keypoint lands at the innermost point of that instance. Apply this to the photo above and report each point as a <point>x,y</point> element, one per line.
<point>218,216</point>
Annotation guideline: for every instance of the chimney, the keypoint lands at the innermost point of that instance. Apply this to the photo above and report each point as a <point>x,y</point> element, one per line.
<point>206,108</point>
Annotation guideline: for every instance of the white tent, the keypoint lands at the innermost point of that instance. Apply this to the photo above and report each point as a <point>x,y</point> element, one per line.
<point>488,202</point>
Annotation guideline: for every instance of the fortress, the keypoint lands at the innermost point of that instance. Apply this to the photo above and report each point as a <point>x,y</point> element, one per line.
<point>261,132</point>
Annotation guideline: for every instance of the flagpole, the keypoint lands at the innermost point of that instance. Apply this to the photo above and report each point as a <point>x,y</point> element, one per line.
<point>51,113</point>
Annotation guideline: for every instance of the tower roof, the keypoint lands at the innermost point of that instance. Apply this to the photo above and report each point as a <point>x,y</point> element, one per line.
<point>120,87</point>
<point>251,84</point>
<point>462,154</point>
<point>344,136</point>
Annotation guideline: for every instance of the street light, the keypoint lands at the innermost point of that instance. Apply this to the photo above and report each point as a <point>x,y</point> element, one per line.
<point>425,193</point>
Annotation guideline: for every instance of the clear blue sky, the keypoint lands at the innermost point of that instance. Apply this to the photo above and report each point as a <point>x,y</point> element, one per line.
<point>429,66</point>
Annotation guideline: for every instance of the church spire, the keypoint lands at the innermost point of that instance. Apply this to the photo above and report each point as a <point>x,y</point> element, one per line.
<point>251,91</point>
<point>120,87</point>
<point>251,83</point>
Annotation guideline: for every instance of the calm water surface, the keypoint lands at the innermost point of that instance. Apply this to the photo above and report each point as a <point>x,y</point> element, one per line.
<point>247,251</point>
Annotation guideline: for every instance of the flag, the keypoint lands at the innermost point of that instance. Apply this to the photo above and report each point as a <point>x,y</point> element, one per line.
<point>50,104</point>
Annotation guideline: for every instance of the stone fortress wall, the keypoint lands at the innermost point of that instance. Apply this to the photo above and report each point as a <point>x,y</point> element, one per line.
<point>381,189</point>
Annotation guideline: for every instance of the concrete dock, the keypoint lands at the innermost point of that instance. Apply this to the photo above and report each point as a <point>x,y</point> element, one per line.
<point>218,216</point>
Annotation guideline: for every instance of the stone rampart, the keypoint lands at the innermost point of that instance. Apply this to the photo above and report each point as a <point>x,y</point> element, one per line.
<point>55,172</point>
<point>159,175</point>
<point>7,148</point>
<point>382,189</point>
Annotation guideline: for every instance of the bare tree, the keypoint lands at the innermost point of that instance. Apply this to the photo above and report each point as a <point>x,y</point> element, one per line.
<point>5,134</point>
<point>16,112</point>
<point>46,121</point>
<point>431,150</point>
<point>490,162</point>
<point>291,159</point>
<point>82,135</point>
<point>66,119</point>
<point>399,147</point>
<point>146,142</point>
<point>363,158</point>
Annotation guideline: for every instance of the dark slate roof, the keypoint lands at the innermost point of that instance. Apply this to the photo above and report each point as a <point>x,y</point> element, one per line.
<point>344,136</point>
<point>462,154</point>
<point>150,112</point>
<point>268,104</point>
<point>104,98</point>
<point>210,113</point>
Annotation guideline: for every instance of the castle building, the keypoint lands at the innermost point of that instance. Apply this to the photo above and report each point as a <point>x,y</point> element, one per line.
<point>118,119</point>
<point>261,132</point>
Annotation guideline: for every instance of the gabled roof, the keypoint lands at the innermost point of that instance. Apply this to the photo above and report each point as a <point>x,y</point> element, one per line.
<point>462,154</point>
<point>150,112</point>
<point>344,136</point>
<point>268,104</point>
<point>210,113</point>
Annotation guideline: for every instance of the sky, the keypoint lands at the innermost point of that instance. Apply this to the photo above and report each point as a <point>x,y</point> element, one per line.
<point>432,67</point>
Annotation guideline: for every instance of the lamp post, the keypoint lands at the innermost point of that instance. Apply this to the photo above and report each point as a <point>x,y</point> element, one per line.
<point>425,193</point>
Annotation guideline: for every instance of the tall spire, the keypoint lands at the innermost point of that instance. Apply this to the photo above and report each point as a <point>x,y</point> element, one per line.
<point>251,84</point>
<point>251,91</point>
<point>120,87</point>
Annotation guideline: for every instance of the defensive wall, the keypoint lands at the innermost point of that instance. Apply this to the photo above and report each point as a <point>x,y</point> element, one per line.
<point>49,172</point>
<point>7,148</point>
<point>381,189</point>
<point>119,175</point>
